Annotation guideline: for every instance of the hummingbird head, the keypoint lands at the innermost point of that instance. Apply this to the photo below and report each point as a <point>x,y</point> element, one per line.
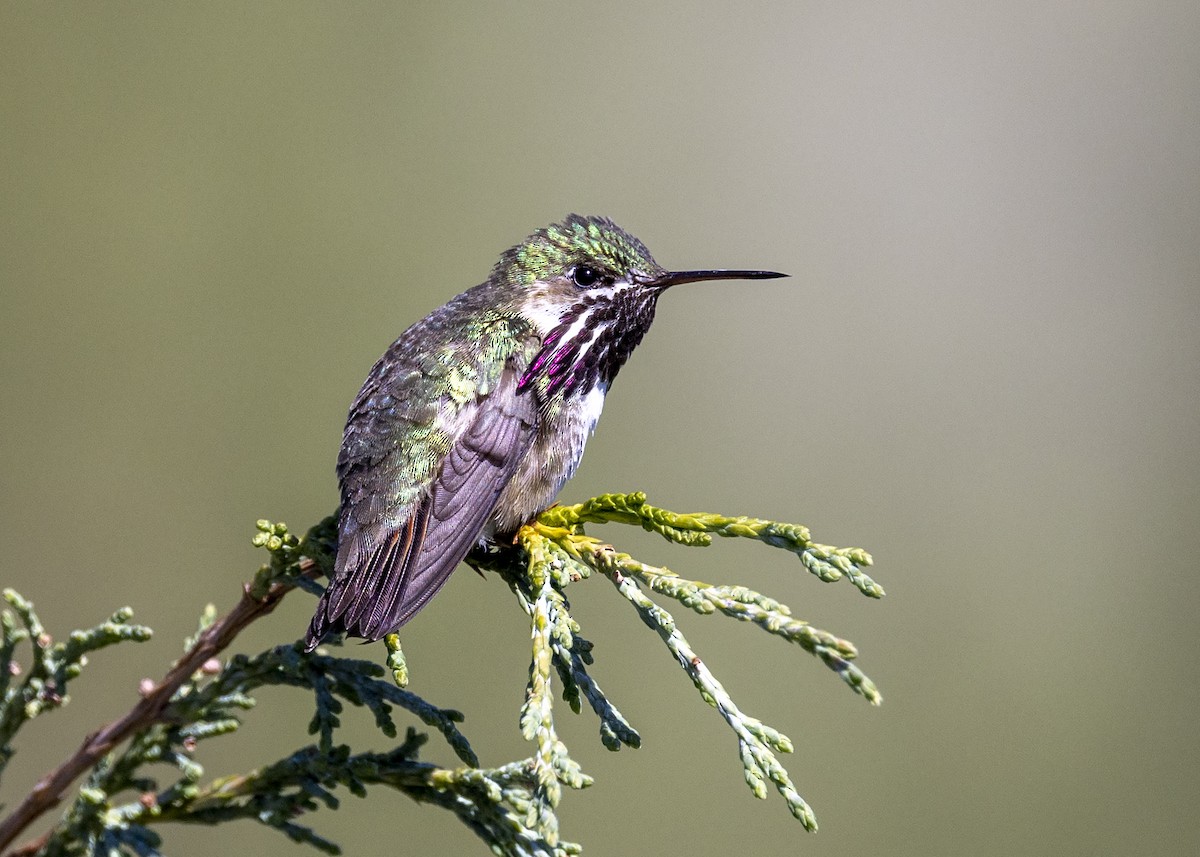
<point>591,289</point>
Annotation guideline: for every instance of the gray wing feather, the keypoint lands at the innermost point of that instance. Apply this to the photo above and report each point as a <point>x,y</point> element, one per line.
<point>392,572</point>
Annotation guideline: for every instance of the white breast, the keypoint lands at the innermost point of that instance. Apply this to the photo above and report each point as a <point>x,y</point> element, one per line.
<point>550,462</point>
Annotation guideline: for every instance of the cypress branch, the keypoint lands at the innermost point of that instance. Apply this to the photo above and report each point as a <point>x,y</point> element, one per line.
<point>511,806</point>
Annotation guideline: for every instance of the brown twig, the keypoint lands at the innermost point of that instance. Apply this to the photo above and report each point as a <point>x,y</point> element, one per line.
<point>33,846</point>
<point>48,791</point>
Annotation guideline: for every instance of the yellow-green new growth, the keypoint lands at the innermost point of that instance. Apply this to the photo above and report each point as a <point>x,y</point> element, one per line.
<point>555,551</point>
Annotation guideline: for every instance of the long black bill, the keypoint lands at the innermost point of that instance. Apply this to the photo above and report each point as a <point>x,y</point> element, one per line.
<point>675,278</point>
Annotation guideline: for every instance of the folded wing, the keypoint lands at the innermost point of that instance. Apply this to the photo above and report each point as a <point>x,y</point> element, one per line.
<point>392,567</point>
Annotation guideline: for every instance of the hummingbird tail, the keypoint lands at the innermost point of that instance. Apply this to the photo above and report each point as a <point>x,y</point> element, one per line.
<point>365,597</point>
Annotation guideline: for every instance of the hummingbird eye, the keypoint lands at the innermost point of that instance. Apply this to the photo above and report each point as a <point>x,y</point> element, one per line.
<point>585,276</point>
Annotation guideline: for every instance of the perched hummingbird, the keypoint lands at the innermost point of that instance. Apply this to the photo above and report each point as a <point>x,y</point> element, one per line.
<point>477,415</point>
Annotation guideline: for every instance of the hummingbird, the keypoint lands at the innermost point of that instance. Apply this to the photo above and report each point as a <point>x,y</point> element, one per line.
<point>471,422</point>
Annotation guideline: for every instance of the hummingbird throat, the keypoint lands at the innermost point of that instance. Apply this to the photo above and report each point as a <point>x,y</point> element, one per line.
<point>592,341</point>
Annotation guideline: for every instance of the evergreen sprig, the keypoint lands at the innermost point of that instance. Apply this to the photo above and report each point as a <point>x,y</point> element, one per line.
<point>698,528</point>
<point>556,551</point>
<point>29,690</point>
<point>512,806</point>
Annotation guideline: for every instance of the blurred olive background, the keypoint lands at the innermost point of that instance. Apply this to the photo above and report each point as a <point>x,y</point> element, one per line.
<point>214,217</point>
